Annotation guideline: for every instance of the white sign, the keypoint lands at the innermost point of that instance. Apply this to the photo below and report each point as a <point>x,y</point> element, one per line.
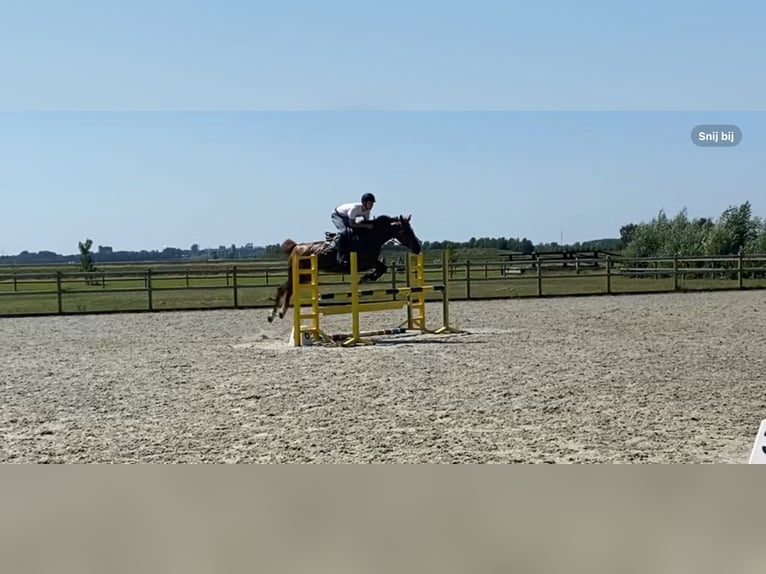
<point>758,456</point>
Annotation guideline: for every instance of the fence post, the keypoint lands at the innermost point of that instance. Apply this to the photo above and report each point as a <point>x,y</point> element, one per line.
<point>539,272</point>
<point>739,270</point>
<point>467,279</point>
<point>393,279</point>
<point>59,292</point>
<point>187,277</point>
<point>675,273</point>
<point>608,275</point>
<point>14,281</point>
<point>408,283</point>
<point>234,286</point>
<point>354,270</point>
<point>148,280</point>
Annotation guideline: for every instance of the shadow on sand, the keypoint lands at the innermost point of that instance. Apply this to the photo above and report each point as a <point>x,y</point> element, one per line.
<point>420,339</point>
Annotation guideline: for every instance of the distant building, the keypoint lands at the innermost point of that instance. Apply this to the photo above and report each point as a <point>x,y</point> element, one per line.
<point>105,250</point>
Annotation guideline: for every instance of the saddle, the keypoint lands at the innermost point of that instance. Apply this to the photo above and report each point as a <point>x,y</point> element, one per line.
<point>330,243</point>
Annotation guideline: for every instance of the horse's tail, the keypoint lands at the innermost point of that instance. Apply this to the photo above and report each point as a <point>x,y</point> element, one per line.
<point>287,246</point>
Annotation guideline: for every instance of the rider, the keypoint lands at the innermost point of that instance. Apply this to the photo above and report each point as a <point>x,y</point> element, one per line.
<point>349,216</point>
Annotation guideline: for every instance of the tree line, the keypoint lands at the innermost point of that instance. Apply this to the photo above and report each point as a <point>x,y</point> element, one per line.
<point>737,230</point>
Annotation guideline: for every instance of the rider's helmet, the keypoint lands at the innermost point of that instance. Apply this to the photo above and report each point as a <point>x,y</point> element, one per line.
<point>368,197</point>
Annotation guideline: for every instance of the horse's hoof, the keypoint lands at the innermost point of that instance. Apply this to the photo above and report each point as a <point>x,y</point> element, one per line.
<point>270,318</point>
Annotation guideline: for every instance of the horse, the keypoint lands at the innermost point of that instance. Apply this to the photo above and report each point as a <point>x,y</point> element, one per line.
<point>366,242</point>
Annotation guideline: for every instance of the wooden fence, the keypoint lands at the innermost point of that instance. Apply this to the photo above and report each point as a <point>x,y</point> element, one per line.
<point>252,285</point>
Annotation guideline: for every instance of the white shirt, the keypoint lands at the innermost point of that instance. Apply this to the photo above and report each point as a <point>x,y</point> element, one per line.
<point>354,211</point>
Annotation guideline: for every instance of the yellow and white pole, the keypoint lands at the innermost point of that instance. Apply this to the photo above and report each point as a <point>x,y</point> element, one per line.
<point>296,282</point>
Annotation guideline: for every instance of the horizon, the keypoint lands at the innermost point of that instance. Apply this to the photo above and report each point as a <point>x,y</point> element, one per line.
<point>202,248</point>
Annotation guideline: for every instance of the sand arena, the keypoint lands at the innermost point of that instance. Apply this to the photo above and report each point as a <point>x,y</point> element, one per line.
<point>657,378</point>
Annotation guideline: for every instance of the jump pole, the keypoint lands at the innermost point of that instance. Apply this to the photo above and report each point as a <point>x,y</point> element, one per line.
<point>356,337</point>
<point>416,279</point>
<point>416,288</point>
<point>446,327</point>
<point>314,331</point>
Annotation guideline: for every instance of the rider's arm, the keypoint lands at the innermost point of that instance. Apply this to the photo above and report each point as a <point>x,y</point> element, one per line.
<point>357,219</point>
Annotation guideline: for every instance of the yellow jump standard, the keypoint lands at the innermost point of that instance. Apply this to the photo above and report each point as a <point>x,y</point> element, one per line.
<point>414,300</point>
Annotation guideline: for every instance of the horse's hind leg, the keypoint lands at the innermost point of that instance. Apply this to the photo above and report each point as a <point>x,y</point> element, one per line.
<point>280,291</point>
<point>288,290</point>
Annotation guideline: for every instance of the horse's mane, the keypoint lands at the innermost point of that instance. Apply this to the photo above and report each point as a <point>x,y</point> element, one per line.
<point>382,220</point>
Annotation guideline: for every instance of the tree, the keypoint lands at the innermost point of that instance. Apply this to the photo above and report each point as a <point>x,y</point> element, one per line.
<point>627,232</point>
<point>86,257</point>
<point>527,247</point>
<point>735,230</point>
<point>172,253</point>
<point>758,244</point>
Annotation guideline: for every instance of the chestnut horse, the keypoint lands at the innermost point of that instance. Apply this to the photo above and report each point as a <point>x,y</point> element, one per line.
<point>366,242</point>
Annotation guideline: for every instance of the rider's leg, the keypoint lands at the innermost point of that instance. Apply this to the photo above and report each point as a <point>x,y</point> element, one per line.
<point>338,222</point>
<point>344,240</point>
<point>343,236</point>
<point>340,225</point>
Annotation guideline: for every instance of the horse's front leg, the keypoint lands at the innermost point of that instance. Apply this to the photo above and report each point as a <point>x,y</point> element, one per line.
<point>375,274</point>
<point>380,269</point>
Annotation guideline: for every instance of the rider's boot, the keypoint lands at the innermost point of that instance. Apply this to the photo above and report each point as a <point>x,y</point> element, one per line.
<point>342,248</point>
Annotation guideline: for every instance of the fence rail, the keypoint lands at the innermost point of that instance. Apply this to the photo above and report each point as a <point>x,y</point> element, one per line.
<point>252,286</point>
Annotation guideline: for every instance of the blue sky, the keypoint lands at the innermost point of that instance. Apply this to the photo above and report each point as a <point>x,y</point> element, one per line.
<point>151,124</point>
<point>139,180</point>
<point>394,55</point>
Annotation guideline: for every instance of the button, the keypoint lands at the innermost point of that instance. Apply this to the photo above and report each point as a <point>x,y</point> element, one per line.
<point>716,135</point>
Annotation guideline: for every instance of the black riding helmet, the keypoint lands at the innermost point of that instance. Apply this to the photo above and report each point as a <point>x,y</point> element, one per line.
<point>368,197</point>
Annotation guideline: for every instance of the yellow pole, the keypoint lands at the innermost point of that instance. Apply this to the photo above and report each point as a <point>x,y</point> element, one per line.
<point>354,297</point>
<point>422,294</point>
<point>408,283</point>
<point>315,295</point>
<point>356,338</point>
<point>420,297</point>
<point>297,334</point>
<point>445,328</point>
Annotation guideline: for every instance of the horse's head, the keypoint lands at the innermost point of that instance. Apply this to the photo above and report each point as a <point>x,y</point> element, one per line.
<point>403,233</point>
